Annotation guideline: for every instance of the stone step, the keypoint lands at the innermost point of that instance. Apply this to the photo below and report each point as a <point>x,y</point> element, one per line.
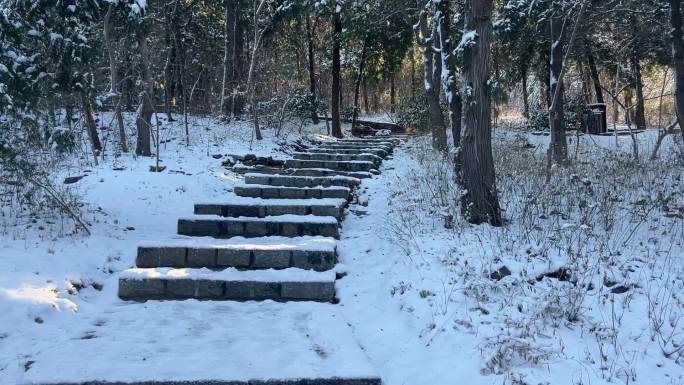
<point>281,225</point>
<point>386,148</point>
<point>338,157</point>
<point>227,285</point>
<point>366,142</point>
<point>280,192</point>
<point>302,181</point>
<point>257,207</point>
<point>315,172</point>
<point>349,166</point>
<point>310,253</point>
<point>349,150</point>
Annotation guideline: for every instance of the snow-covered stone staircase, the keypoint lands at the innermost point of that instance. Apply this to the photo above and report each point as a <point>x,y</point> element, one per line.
<point>275,239</point>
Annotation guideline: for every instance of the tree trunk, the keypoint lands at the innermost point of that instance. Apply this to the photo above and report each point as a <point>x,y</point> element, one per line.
<point>251,86</point>
<point>169,17</point>
<point>237,59</point>
<point>585,80</point>
<point>114,79</point>
<point>312,71</point>
<point>145,109</point>
<point>639,112</point>
<point>558,148</point>
<point>678,56</point>
<point>480,202</point>
<point>335,88</point>
<point>598,90</point>
<point>393,94</point>
<point>91,125</point>
<point>357,88</point>
<point>526,95</point>
<point>629,108</point>
<point>228,38</point>
<point>180,71</point>
<point>413,73</point>
<point>252,92</point>
<point>366,106</point>
<point>448,79</point>
<point>432,68</point>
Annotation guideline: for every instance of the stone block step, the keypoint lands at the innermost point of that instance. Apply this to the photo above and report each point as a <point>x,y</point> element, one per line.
<point>302,181</point>
<point>338,157</point>
<point>227,285</point>
<point>353,166</point>
<point>310,253</point>
<point>257,207</point>
<point>316,172</point>
<point>281,225</point>
<point>387,148</point>
<point>369,142</point>
<point>281,192</point>
<point>349,150</point>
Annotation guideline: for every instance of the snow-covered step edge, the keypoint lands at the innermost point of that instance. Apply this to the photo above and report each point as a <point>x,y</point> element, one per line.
<point>260,208</point>
<point>349,150</point>
<point>249,201</point>
<point>229,285</point>
<point>337,157</point>
<point>315,253</point>
<point>388,148</point>
<point>286,192</point>
<point>346,166</point>
<point>309,171</point>
<point>301,181</point>
<point>313,243</point>
<point>250,227</point>
<point>288,218</point>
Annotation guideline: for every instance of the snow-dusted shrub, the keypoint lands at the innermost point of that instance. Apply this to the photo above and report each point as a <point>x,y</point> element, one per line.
<point>585,258</point>
<point>29,151</point>
<point>413,113</point>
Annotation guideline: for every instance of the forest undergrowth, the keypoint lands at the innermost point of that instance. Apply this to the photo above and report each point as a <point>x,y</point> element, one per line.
<point>585,268</point>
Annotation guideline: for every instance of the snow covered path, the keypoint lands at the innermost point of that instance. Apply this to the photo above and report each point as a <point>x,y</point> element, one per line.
<point>213,342</point>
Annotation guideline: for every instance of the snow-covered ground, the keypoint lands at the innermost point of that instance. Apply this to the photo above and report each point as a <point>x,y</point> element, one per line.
<point>418,304</point>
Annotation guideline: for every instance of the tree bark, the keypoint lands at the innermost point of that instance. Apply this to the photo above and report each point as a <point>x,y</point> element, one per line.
<point>558,148</point>
<point>678,56</point>
<point>237,59</point>
<point>251,86</point>
<point>393,94</point>
<point>357,88</point>
<point>169,17</point>
<point>639,112</point>
<point>335,88</point>
<point>526,95</point>
<point>228,38</point>
<point>312,71</point>
<point>480,202</point>
<point>585,80</point>
<point>145,109</point>
<point>91,125</point>
<point>366,106</point>
<point>432,68</point>
<point>114,79</point>
<point>596,80</point>
<point>629,107</point>
<point>180,72</point>
<point>448,79</point>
